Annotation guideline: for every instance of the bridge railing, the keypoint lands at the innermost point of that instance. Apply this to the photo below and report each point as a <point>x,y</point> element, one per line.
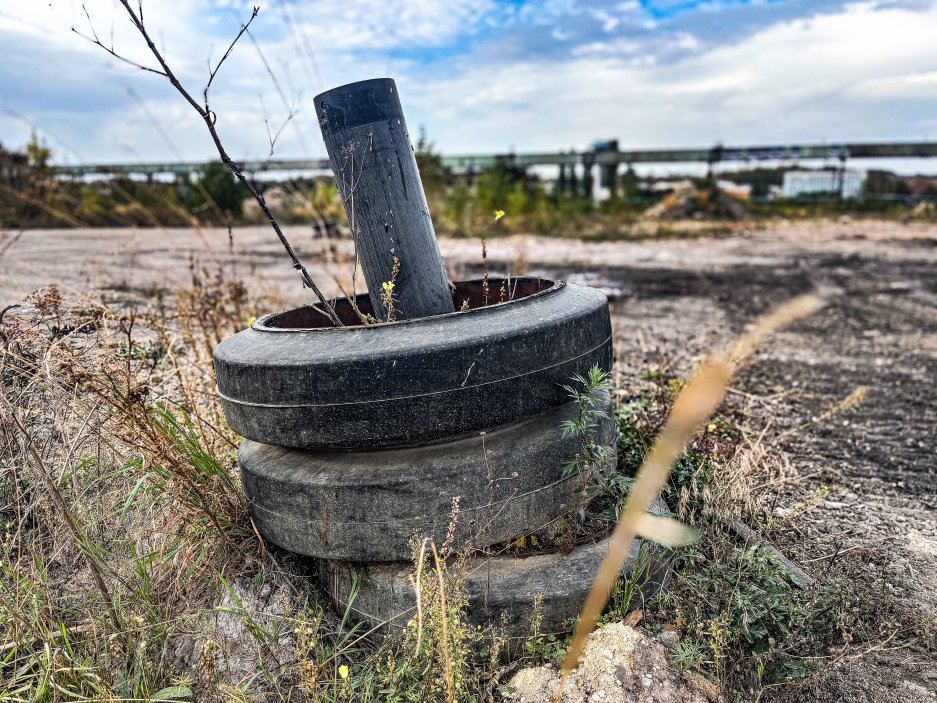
<point>481,162</point>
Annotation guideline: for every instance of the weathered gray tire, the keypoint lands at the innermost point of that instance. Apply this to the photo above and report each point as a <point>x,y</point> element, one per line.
<point>501,590</point>
<point>368,506</point>
<point>413,381</point>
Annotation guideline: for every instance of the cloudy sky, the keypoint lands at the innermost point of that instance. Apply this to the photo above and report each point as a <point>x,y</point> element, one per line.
<point>480,75</point>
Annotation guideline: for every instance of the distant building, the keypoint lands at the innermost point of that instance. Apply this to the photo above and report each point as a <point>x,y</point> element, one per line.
<point>847,184</point>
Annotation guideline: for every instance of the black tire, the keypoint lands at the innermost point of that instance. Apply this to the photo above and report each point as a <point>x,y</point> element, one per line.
<point>285,383</point>
<point>369,506</point>
<point>501,590</point>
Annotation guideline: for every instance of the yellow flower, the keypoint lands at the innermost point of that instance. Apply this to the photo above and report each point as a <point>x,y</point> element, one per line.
<point>343,671</point>
<point>388,287</point>
<point>499,214</point>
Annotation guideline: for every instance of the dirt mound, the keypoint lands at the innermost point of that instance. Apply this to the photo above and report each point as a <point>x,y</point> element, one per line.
<point>708,202</point>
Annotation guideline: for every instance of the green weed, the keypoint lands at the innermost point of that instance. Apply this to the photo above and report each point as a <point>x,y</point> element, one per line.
<point>541,647</point>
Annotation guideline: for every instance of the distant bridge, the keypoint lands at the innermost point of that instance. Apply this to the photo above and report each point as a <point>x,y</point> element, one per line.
<point>604,154</point>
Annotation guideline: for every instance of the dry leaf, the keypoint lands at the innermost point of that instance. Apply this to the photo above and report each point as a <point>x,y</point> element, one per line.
<point>634,617</point>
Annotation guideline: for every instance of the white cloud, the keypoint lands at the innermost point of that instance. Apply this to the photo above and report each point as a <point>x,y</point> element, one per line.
<point>799,80</point>
<point>619,47</point>
<point>912,85</point>
<point>684,41</point>
<point>560,35</point>
<point>609,22</point>
<point>379,24</point>
<point>833,76</point>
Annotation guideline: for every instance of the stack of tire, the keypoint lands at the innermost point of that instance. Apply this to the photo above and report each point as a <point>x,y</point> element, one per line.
<point>364,440</point>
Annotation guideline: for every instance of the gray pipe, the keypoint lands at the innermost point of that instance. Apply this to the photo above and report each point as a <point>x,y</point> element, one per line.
<point>375,168</point>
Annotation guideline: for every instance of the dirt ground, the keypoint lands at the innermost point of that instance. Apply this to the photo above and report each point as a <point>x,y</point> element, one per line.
<point>866,504</point>
<point>866,501</point>
<point>869,472</point>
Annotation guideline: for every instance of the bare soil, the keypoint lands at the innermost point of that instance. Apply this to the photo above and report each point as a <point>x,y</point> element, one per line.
<point>865,506</point>
<point>865,510</point>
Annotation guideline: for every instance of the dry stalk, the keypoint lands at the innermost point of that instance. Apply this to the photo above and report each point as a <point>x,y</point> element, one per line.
<point>854,398</point>
<point>60,505</point>
<point>695,403</point>
<point>485,290</point>
<point>447,660</point>
<point>36,202</point>
<point>418,589</point>
<point>14,612</point>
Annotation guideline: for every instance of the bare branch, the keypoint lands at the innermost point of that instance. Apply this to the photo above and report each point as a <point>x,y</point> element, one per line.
<point>7,242</point>
<point>59,502</point>
<point>167,72</point>
<point>290,107</point>
<point>212,74</point>
<point>271,137</point>
<point>93,38</point>
<point>209,118</point>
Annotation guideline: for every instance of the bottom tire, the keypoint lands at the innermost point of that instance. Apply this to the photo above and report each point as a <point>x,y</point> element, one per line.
<point>501,590</point>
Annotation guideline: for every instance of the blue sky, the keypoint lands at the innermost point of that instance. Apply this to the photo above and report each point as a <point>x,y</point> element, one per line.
<point>480,75</point>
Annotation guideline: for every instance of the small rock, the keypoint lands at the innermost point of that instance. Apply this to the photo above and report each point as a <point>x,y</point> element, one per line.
<point>531,685</point>
<point>668,638</point>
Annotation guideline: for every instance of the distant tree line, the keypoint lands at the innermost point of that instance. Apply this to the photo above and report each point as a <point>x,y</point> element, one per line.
<point>31,195</point>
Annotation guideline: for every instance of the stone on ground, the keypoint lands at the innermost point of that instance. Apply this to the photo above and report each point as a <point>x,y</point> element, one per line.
<point>619,665</point>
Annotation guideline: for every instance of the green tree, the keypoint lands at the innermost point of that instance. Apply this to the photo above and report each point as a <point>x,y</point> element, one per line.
<point>458,206</point>
<point>27,173</point>
<point>222,190</point>
<point>494,186</point>
<point>517,200</point>
<point>433,173</point>
<point>884,183</point>
<point>94,204</point>
<point>629,186</point>
<point>38,155</point>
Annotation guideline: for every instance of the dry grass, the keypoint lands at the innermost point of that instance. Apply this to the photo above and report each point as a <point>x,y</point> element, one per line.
<point>130,569</point>
<point>694,404</point>
<point>120,500</point>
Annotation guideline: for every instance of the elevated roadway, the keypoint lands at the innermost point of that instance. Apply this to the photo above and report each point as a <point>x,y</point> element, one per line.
<point>600,156</point>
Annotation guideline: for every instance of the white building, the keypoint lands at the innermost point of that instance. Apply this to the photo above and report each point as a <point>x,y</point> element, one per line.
<point>847,183</point>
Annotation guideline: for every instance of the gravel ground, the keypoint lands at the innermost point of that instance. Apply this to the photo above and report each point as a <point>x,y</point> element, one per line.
<point>873,465</point>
